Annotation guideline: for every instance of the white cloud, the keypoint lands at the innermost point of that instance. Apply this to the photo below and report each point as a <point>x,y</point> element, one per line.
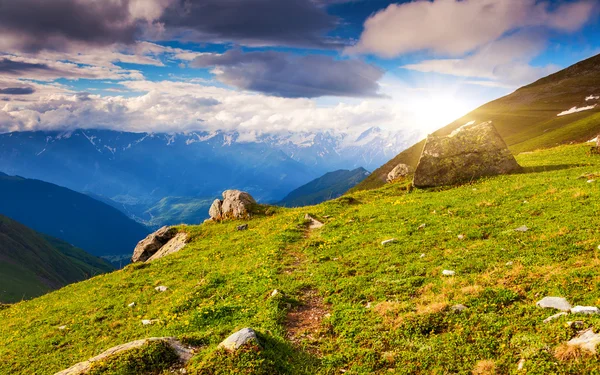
<point>453,27</point>
<point>502,63</point>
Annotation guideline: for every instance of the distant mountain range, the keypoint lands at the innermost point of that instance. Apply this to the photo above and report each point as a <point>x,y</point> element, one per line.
<point>330,186</point>
<point>561,108</point>
<point>32,264</point>
<point>138,170</point>
<point>71,216</point>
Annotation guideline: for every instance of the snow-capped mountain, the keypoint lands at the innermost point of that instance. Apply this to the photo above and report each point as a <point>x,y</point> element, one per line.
<point>139,168</point>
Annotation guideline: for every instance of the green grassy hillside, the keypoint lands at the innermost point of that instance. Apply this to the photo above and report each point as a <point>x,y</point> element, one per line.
<point>349,304</point>
<point>329,186</point>
<point>527,119</point>
<point>32,264</point>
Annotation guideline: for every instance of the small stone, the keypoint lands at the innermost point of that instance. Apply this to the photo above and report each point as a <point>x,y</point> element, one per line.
<point>587,340</point>
<point>422,256</point>
<point>558,303</point>
<point>368,306</point>
<point>387,242</point>
<point>274,293</point>
<point>239,339</point>
<point>589,310</point>
<point>242,227</point>
<point>521,364</point>
<point>522,229</point>
<point>525,202</point>
<point>555,316</point>
<point>458,308</point>
<point>327,315</point>
<point>590,181</point>
<point>422,226</point>
<point>448,273</point>
<point>313,223</point>
<point>131,304</point>
<point>461,236</point>
<point>62,328</point>
<point>161,288</point>
<point>148,322</point>
<point>508,264</point>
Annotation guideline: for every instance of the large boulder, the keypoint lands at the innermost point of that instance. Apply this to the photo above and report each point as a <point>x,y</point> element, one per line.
<point>164,241</point>
<point>235,205</point>
<point>184,354</point>
<point>401,170</point>
<point>472,151</point>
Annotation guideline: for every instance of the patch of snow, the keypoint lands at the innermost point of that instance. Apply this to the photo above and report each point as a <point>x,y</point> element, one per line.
<point>41,152</point>
<point>113,150</point>
<point>592,97</point>
<point>576,110</point>
<point>170,139</point>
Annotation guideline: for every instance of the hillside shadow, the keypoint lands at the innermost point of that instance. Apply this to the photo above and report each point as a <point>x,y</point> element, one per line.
<point>549,168</point>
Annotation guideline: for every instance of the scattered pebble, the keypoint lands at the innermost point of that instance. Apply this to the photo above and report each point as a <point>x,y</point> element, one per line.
<point>422,256</point>
<point>555,316</point>
<point>242,227</point>
<point>148,322</point>
<point>131,304</point>
<point>461,236</point>
<point>422,226</point>
<point>508,264</point>
<point>585,310</point>
<point>368,306</point>
<point>521,364</point>
<point>458,308</point>
<point>525,202</point>
<point>448,273</point>
<point>558,303</point>
<point>62,328</point>
<point>590,181</point>
<point>522,229</point>
<point>274,293</point>
<point>161,288</point>
<point>386,242</point>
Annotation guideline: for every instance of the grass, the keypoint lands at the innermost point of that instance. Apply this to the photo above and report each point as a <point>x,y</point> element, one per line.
<point>388,307</point>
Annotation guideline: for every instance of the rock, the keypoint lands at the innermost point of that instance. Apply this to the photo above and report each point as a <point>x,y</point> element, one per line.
<point>522,229</point>
<point>148,322</point>
<point>274,293</point>
<point>589,310</point>
<point>62,328</point>
<point>242,227</point>
<point>131,304</point>
<point>184,354</point>
<point>558,303</point>
<point>235,205</point>
<point>521,364</point>
<point>422,256</point>
<point>508,264</point>
<point>401,170</point>
<point>587,340</point>
<point>239,339</point>
<point>461,236</point>
<point>161,288</point>
<point>386,242</point>
<point>472,151</point>
<point>313,223</point>
<point>422,226</point>
<point>448,273</point>
<point>555,316</point>
<point>578,324</point>
<point>174,245</point>
<point>151,244</point>
<point>458,308</point>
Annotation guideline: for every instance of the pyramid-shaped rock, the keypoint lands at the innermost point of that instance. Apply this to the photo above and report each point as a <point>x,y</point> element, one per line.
<point>470,152</point>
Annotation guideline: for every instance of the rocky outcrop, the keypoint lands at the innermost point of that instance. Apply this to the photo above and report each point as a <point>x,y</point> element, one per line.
<point>470,152</point>
<point>312,222</point>
<point>235,205</point>
<point>166,240</point>
<point>183,353</point>
<point>401,170</point>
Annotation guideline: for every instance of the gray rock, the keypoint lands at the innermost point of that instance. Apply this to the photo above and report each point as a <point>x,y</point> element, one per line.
<point>589,310</point>
<point>174,245</point>
<point>235,205</point>
<point>470,152</point>
<point>242,227</point>
<point>557,303</point>
<point>401,170</point>
<point>313,223</point>
<point>161,288</point>
<point>522,229</point>
<point>555,316</point>
<point>458,308</point>
<point>184,353</point>
<point>587,340</point>
<point>448,273</point>
<point>387,242</point>
<point>147,247</point>
<point>239,339</point>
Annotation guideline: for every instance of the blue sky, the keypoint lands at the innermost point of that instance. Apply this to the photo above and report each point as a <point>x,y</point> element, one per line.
<point>265,66</point>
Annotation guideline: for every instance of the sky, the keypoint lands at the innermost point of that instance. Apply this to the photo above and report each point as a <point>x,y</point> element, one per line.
<point>273,66</point>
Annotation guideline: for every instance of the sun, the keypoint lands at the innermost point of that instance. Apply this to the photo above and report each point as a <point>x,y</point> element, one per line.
<point>435,111</point>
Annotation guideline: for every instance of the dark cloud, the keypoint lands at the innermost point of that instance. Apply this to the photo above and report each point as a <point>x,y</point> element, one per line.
<point>13,67</point>
<point>17,90</point>
<point>281,74</point>
<point>250,22</point>
<point>32,25</point>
